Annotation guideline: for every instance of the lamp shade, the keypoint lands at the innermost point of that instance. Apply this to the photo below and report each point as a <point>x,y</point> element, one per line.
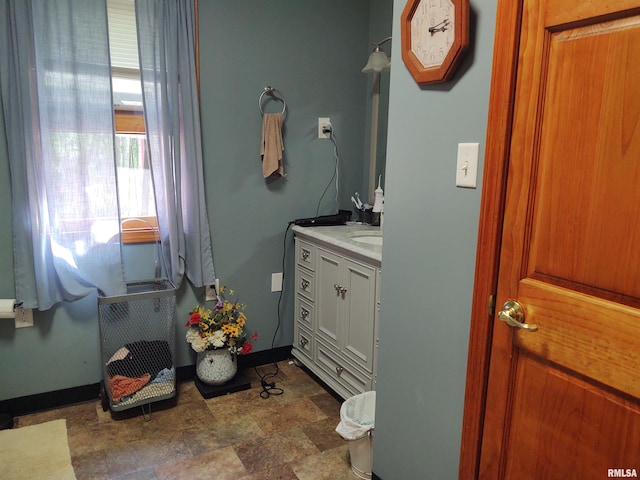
<point>378,62</point>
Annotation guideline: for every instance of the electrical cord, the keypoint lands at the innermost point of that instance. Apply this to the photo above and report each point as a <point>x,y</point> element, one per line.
<point>335,172</point>
<point>267,380</point>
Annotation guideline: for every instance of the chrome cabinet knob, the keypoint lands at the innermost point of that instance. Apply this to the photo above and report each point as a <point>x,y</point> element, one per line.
<point>340,290</point>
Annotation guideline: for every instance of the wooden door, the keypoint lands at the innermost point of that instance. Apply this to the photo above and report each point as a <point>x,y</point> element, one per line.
<point>562,402</point>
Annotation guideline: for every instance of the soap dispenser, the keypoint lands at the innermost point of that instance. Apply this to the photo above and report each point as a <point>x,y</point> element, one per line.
<point>378,203</point>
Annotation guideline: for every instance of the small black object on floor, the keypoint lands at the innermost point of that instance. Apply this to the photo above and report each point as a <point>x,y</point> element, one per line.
<point>236,384</point>
<point>6,421</point>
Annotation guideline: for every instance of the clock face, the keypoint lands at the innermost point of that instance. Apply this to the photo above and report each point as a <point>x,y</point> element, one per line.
<point>434,34</point>
<point>432,31</point>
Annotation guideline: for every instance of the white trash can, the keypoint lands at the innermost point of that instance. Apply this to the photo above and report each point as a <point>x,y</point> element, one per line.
<point>357,422</point>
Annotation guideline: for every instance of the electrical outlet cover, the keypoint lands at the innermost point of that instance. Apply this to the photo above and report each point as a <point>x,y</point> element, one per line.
<point>322,122</point>
<point>210,294</point>
<point>24,317</point>
<point>276,282</point>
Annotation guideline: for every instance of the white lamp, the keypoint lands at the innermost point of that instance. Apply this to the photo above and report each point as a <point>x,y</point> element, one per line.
<point>378,62</point>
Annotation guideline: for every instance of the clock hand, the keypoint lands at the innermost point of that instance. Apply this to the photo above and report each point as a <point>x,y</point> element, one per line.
<point>439,27</point>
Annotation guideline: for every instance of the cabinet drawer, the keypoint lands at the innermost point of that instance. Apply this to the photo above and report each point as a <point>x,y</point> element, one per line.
<point>340,371</point>
<point>306,254</point>
<point>303,341</point>
<point>304,313</point>
<point>305,284</point>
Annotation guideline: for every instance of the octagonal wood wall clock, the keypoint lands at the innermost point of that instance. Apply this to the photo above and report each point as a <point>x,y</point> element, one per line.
<point>434,34</point>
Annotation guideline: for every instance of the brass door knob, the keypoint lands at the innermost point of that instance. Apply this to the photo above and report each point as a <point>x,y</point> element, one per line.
<point>512,314</point>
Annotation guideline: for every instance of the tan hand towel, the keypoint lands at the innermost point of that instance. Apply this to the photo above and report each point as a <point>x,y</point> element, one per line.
<point>271,147</point>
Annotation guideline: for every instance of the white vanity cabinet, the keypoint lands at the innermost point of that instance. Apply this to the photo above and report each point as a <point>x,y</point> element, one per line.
<point>336,311</point>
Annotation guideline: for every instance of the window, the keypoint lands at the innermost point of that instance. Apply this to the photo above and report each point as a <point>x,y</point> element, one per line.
<point>135,185</point>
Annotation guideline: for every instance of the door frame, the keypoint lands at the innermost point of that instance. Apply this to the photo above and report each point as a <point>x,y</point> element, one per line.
<point>494,182</point>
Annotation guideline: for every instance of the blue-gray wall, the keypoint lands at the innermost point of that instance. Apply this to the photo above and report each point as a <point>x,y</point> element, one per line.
<point>313,53</point>
<point>428,261</point>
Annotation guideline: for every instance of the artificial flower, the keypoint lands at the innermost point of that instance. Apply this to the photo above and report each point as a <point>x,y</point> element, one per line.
<point>222,327</point>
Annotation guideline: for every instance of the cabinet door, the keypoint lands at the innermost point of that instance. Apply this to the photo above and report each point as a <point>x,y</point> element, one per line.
<point>328,268</point>
<point>359,309</point>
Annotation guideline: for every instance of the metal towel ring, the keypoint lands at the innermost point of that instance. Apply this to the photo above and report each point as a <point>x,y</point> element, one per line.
<point>270,91</point>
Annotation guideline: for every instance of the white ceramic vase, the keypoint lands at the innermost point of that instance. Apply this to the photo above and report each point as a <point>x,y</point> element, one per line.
<point>216,367</point>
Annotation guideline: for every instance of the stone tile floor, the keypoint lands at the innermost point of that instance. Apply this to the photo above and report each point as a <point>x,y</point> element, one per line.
<point>239,436</point>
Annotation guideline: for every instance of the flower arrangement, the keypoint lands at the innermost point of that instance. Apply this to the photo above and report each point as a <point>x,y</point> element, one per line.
<point>222,327</point>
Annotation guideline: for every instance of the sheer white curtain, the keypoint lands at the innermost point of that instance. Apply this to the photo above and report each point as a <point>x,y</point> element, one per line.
<point>166,41</point>
<point>55,80</point>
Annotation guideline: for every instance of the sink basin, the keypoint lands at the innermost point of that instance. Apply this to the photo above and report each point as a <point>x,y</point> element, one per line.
<point>367,238</point>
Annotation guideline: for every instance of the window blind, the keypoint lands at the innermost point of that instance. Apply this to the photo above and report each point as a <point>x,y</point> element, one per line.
<point>123,40</point>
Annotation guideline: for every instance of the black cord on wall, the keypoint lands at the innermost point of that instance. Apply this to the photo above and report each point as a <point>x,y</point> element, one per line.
<point>336,170</point>
<point>267,380</point>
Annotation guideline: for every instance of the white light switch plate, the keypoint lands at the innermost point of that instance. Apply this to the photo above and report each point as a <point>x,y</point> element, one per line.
<point>467,165</point>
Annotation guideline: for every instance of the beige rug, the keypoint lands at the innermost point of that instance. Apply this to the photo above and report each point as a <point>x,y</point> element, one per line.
<point>36,452</point>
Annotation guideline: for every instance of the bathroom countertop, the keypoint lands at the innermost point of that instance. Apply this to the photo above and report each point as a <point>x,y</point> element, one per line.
<point>341,236</point>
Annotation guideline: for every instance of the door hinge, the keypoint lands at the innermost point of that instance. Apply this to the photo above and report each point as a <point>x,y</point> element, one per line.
<point>491,305</point>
